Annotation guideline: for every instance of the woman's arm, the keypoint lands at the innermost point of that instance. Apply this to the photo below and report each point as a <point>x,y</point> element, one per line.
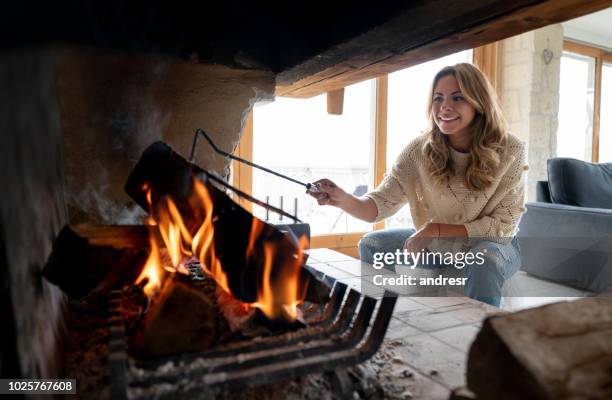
<point>384,201</point>
<point>363,208</point>
<point>451,231</point>
<point>331,194</point>
<point>431,231</point>
<point>438,230</point>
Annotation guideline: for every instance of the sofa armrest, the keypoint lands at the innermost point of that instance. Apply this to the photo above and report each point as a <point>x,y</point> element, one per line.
<point>543,192</point>
<point>552,219</point>
<point>567,244</point>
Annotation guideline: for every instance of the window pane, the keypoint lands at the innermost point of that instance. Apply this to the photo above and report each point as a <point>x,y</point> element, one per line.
<point>605,128</point>
<point>577,93</point>
<point>298,138</point>
<point>406,119</point>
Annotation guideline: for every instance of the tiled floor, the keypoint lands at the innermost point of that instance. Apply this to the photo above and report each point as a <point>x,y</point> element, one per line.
<point>430,337</point>
<point>434,333</point>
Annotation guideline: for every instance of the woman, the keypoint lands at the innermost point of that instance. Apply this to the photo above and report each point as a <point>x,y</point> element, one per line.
<point>462,179</point>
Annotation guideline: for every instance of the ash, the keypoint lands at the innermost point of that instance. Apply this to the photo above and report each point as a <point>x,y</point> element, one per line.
<point>384,376</point>
<point>311,387</point>
<point>86,352</point>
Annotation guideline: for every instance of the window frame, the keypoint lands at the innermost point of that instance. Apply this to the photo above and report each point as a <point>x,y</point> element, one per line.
<point>487,58</point>
<point>600,57</point>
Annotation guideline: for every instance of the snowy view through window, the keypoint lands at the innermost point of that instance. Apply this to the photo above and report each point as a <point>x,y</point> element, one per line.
<point>577,91</point>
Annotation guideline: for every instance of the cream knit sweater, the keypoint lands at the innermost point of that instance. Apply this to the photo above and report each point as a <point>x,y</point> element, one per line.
<point>491,213</point>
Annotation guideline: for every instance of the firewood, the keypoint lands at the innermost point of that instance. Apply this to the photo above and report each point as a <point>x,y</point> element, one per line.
<point>558,351</point>
<point>180,319</point>
<point>90,260</point>
<point>168,174</point>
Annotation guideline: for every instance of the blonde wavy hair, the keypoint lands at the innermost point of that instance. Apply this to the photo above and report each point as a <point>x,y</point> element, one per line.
<point>489,130</point>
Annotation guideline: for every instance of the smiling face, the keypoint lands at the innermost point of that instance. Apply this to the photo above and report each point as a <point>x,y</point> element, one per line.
<point>451,112</point>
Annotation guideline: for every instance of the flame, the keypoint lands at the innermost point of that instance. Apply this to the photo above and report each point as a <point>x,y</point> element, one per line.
<point>292,295</point>
<point>282,295</point>
<point>152,270</point>
<point>276,296</point>
<point>265,297</point>
<point>173,232</point>
<point>202,243</point>
<point>256,228</point>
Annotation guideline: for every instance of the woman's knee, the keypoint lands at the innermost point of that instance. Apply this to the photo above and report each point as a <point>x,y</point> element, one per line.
<point>498,259</point>
<point>387,240</point>
<point>484,284</point>
<point>369,244</point>
<point>485,280</point>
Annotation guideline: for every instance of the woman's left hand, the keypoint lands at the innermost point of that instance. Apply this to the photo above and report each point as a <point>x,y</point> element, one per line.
<point>423,238</point>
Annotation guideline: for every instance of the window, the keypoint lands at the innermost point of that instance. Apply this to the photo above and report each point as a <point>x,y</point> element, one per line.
<point>297,137</point>
<point>605,127</point>
<point>576,101</point>
<point>585,130</point>
<point>408,95</point>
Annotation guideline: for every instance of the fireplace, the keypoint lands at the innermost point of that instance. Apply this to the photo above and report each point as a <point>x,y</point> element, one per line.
<point>214,300</point>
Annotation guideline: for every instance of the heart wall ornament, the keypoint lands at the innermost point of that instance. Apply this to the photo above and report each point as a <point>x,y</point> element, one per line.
<point>547,55</point>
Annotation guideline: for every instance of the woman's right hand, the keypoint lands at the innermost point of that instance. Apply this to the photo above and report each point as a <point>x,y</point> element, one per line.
<point>329,193</point>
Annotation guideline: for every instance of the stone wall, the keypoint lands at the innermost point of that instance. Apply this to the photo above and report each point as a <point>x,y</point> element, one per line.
<point>32,211</point>
<point>113,106</point>
<point>73,124</point>
<point>530,95</point>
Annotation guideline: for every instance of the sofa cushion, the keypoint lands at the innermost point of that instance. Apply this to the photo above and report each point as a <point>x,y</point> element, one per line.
<point>580,183</point>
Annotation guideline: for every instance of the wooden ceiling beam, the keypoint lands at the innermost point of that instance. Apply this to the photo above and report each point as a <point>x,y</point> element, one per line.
<point>427,31</point>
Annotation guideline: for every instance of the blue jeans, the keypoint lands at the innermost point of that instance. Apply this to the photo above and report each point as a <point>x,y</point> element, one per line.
<point>484,282</point>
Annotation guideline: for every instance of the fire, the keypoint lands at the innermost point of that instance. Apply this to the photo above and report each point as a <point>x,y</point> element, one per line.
<point>282,295</point>
<point>276,296</point>
<point>202,243</point>
<point>265,296</point>
<point>174,233</point>
<point>256,229</point>
<point>293,294</point>
<point>152,271</point>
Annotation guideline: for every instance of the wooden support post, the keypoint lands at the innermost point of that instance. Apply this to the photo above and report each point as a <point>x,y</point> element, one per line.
<point>335,102</point>
<point>488,59</point>
<point>380,142</point>
<point>242,173</point>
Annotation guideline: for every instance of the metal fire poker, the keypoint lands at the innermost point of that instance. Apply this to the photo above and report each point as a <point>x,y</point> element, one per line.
<point>312,187</point>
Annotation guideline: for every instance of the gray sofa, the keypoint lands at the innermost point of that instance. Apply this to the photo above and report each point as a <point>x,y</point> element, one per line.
<point>566,236</point>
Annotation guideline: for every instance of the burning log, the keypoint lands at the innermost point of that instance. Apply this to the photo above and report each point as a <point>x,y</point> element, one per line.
<point>90,260</point>
<point>249,258</point>
<point>180,319</point>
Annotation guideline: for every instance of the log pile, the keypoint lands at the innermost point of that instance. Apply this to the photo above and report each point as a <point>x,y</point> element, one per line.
<point>181,319</point>
<point>559,351</point>
<point>91,260</point>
